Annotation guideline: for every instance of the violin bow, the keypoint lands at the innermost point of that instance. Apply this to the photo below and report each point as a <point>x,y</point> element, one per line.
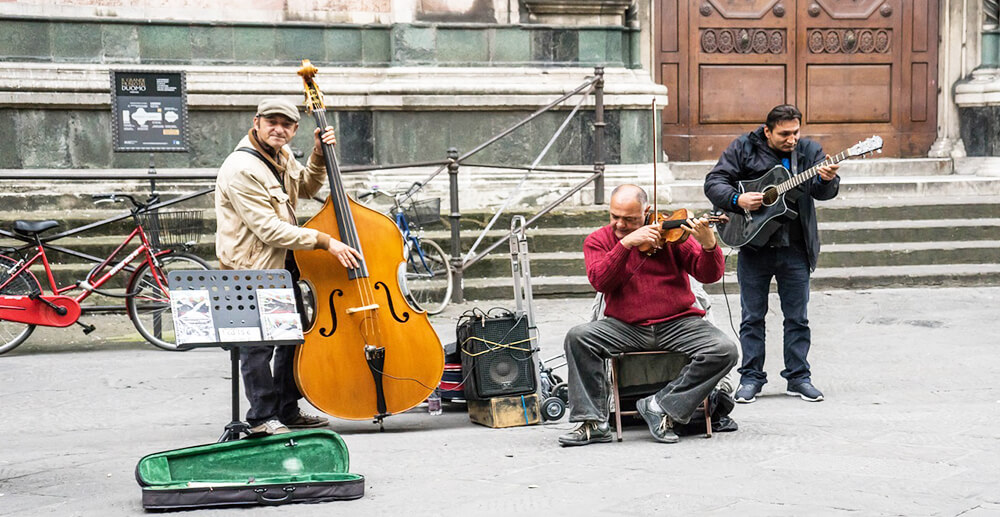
<point>652,123</point>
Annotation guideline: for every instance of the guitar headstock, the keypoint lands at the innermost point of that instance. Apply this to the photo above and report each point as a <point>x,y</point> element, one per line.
<point>314,97</point>
<point>867,146</point>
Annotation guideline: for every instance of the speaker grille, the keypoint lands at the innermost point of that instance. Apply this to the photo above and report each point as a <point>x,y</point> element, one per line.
<point>496,357</point>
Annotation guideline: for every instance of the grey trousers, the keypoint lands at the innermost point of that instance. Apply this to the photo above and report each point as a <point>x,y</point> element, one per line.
<point>590,344</point>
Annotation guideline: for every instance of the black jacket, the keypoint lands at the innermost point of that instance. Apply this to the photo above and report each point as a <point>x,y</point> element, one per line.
<point>749,157</point>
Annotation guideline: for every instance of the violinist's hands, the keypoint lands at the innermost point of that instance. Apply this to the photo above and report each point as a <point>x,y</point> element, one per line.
<point>750,201</point>
<point>348,256</point>
<point>828,172</point>
<point>327,137</point>
<point>649,234</point>
<point>702,232</point>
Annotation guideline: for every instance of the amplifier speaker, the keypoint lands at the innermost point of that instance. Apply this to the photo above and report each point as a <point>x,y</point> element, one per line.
<point>497,358</point>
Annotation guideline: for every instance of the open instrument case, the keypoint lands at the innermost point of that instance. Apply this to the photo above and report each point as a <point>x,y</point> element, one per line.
<point>302,466</point>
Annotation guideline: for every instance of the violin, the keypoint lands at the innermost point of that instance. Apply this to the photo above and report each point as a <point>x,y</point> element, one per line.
<point>369,353</point>
<point>671,230</point>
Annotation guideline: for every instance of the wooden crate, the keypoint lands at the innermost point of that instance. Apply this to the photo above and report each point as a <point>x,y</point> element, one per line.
<point>506,411</point>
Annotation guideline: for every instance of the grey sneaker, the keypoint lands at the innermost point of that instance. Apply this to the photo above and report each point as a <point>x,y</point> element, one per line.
<point>747,393</point>
<point>805,390</point>
<point>587,433</point>
<point>269,427</point>
<point>305,420</point>
<point>659,423</point>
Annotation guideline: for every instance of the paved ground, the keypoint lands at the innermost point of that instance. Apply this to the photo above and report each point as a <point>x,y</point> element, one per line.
<point>909,427</point>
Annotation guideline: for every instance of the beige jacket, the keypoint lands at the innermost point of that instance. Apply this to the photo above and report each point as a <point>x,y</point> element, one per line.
<point>255,218</point>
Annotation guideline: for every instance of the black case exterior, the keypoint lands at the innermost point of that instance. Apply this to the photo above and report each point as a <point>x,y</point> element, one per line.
<point>300,467</point>
<point>268,495</point>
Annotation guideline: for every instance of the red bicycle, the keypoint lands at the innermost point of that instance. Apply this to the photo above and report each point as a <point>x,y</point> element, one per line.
<point>23,304</point>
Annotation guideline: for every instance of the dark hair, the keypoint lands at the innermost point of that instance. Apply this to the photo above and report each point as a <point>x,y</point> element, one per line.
<point>782,113</point>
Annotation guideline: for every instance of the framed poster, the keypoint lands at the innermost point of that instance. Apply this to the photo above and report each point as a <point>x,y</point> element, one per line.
<point>149,111</point>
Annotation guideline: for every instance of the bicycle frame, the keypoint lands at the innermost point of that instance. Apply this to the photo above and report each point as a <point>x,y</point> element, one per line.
<point>41,309</point>
<point>413,240</point>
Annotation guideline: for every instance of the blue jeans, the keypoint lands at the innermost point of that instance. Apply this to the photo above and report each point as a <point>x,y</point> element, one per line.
<point>588,345</point>
<point>789,266</point>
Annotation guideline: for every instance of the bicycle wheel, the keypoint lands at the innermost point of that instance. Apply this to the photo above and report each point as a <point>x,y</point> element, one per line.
<point>428,276</point>
<point>148,306</point>
<point>12,333</point>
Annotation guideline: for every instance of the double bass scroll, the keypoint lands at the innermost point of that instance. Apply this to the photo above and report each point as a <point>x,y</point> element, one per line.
<point>369,354</point>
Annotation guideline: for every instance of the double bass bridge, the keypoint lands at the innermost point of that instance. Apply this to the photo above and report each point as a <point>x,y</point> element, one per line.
<point>370,307</point>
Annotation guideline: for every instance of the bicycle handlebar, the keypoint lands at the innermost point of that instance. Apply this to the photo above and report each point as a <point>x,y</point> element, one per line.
<point>116,197</point>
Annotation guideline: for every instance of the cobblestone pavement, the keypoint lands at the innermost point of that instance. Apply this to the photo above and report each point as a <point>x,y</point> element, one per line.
<point>908,427</point>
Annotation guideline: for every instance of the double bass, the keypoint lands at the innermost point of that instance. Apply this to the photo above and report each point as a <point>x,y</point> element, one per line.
<point>368,354</point>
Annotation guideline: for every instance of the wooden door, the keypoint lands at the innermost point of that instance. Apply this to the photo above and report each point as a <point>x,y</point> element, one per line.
<point>853,67</point>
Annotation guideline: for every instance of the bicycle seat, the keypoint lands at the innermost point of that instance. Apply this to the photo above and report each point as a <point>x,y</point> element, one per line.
<point>33,227</point>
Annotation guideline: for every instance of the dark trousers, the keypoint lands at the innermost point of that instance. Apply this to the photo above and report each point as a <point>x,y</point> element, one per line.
<point>273,394</point>
<point>588,345</point>
<point>789,267</point>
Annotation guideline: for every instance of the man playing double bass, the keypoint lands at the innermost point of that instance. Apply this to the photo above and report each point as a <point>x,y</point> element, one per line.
<point>649,306</point>
<point>256,192</point>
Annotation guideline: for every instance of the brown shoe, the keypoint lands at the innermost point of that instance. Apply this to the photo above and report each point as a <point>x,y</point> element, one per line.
<point>305,421</point>
<point>269,427</point>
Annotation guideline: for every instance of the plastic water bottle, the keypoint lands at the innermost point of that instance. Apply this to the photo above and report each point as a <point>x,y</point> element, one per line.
<point>434,403</point>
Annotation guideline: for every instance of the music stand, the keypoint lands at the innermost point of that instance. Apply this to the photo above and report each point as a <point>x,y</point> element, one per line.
<point>236,319</point>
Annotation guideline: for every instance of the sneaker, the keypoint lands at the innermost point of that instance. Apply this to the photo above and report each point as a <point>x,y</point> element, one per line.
<point>747,393</point>
<point>269,427</point>
<point>305,420</point>
<point>805,390</point>
<point>588,433</point>
<point>660,424</point>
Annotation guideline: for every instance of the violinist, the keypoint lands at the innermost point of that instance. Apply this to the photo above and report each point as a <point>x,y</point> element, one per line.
<point>650,306</point>
<point>256,192</point>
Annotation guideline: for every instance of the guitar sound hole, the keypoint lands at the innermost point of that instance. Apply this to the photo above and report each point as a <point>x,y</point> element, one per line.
<point>770,196</point>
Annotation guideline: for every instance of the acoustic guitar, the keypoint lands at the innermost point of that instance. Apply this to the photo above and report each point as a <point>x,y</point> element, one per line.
<point>780,188</point>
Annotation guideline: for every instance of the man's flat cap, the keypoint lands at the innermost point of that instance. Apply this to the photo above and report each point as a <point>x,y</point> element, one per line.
<point>277,106</point>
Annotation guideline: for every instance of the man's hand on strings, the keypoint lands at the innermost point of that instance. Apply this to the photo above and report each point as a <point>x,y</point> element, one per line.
<point>750,200</point>
<point>348,256</point>
<point>701,231</point>
<point>828,172</point>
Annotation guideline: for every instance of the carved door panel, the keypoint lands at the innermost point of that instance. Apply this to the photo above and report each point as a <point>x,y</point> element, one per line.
<point>853,67</point>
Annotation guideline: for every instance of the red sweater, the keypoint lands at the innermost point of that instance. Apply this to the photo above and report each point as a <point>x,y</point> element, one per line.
<point>645,290</point>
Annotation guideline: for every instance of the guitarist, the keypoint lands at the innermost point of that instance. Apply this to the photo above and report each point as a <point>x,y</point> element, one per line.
<point>788,256</point>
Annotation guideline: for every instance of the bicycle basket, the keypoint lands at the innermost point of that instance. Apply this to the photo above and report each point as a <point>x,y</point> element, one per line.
<point>424,211</point>
<point>173,228</point>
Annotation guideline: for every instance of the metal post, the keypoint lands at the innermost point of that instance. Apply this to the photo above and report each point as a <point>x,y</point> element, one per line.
<point>599,135</point>
<point>455,218</point>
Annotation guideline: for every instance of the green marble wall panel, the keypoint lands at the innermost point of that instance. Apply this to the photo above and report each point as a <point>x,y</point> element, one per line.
<point>343,45</point>
<point>75,42</point>
<point>355,45</point>
<point>254,44</point>
<point>376,46</point>
<point>165,43</point>
<point>593,46</point>
<point>211,45</point>
<point>412,44</point>
<point>511,45</point>
<point>121,43</point>
<point>292,45</point>
<point>25,40</point>
<point>10,156</point>
<point>462,46</point>
<point>636,146</point>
